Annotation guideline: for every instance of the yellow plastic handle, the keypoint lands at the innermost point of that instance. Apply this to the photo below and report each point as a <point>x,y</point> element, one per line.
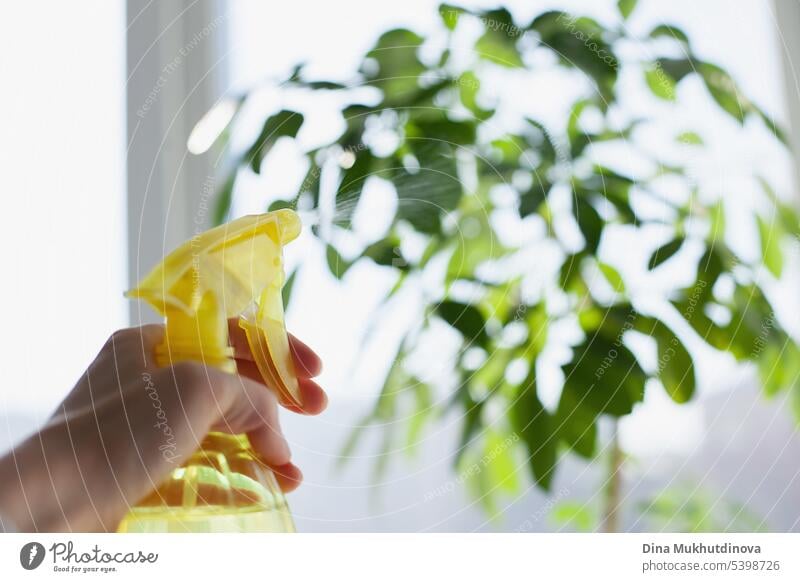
<point>232,270</point>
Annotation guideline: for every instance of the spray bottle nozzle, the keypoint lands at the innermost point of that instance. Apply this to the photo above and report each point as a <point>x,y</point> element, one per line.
<point>233,270</point>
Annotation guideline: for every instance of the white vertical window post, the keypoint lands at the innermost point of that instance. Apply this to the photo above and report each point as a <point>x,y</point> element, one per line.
<point>787,17</point>
<point>175,72</point>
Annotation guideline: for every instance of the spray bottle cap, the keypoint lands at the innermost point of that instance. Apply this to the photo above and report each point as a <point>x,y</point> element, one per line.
<point>235,269</point>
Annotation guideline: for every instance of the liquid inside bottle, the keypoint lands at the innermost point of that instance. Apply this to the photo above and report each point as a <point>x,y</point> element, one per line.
<point>223,487</point>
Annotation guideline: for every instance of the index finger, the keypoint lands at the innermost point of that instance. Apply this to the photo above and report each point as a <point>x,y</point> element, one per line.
<point>307,363</point>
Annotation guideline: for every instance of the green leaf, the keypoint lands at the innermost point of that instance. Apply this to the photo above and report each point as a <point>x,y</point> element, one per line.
<point>579,42</point>
<point>499,41</point>
<point>717,222</point>
<point>296,73</point>
<point>444,58</point>
<point>503,159</point>
<point>689,138</point>
<point>499,461</point>
<point>450,15</point>
<point>352,186</point>
<point>394,384</point>
<point>280,205</point>
<point>472,421</point>
<point>471,471</point>
<point>386,252</point>
<point>778,361</point>
<point>534,425</point>
<point>337,265</point>
<point>578,140</point>
<point>476,243</point>
<point>725,91</point>
<point>786,212</point>
<point>296,78</point>
<point>676,69</point>
<point>660,83</point>
<point>468,87</point>
<point>323,85</point>
<point>590,223</point>
<point>771,246</point>
<point>710,332</point>
<point>439,127</point>
<point>709,268</point>
<point>531,200</point>
<point>612,187</point>
<point>665,252</point>
<point>575,422</point>
<point>286,291</point>
<point>626,7</point>
<point>540,140</point>
<point>577,515</point>
<point>752,323</point>
<point>283,124</point>
<point>667,30</point>
<point>675,365</point>
<point>426,97</point>
<point>224,199</point>
<point>795,401</point>
<point>778,131</point>
<point>466,318</point>
<point>604,376</point>
<point>355,118</point>
<point>612,276</point>
<point>311,182</point>
<point>491,375</point>
<point>695,298</point>
<point>398,66</point>
<point>538,322</point>
<point>435,188</point>
<point>570,272</point>
<point>614,321</point>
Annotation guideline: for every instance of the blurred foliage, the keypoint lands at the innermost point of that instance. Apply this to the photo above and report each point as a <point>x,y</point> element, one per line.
<point>680,508</point>
<point>457,155</point>
<point>692,508</point>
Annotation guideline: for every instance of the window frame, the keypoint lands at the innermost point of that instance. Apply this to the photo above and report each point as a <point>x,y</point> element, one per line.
<point>176,71</point>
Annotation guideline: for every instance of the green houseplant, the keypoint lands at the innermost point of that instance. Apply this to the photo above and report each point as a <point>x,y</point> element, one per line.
<point>458,158</point>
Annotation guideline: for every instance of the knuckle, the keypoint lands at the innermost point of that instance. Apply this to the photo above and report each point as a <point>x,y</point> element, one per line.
<point>188,374</point>
<point>115,338</point>
<point>147,335</point>
<point>197,382</point>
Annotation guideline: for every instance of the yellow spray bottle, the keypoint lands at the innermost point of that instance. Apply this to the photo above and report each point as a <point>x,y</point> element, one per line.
<point>234,270</point>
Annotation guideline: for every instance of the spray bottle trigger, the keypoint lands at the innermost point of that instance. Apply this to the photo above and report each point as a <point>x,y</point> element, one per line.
<point>269,345</point>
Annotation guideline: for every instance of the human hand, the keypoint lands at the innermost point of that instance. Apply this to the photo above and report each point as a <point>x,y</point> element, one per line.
<point>105,448</point>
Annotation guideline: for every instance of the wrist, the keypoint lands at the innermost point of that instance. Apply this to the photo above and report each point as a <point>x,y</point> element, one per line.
<point>41,489</point>
<point>18,491</point>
